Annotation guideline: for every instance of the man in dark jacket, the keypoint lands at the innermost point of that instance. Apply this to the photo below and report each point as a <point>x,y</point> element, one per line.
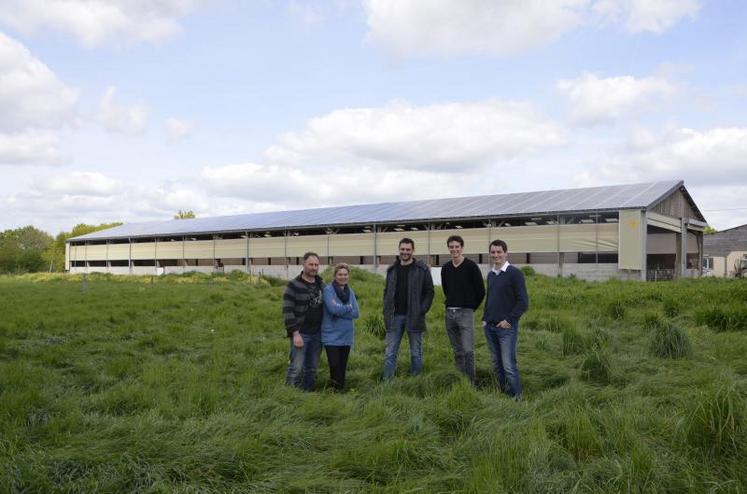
<point>464,290</point>
<point>506,301</point>
<point>302,313</point>
<point>408,295</point>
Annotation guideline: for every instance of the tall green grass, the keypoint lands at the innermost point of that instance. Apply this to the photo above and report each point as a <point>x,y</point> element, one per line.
<point>175,384</point>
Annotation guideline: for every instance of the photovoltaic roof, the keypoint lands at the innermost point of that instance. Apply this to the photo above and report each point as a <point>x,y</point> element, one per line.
<point>589,199</point>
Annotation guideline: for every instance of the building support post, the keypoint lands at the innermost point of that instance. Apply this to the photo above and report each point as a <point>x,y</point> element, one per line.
<point>285,254</point>
<point>247,266</point>
<point>557,247</point>
<point>376,248</point>
<point>596,241</point>
<point>155,255</point>
<point>644,245</point>
<point>683,249</point>
<point>430,260</point>
<point>699,238</point>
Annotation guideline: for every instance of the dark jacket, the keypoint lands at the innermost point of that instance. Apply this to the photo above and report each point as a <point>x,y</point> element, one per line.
<point>419,296</point>
<point>296,300</point>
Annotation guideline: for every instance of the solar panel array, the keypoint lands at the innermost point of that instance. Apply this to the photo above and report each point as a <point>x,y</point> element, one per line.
<point>633,196</point>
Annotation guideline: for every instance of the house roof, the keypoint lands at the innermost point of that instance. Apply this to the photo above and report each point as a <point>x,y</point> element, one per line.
<point>726,241</point>
<point>562,201</point>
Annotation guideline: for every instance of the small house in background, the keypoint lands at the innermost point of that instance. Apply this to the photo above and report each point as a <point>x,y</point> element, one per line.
<point>723,251</point>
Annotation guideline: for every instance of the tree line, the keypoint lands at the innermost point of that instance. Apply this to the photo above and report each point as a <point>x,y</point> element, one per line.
<point>29,249</point>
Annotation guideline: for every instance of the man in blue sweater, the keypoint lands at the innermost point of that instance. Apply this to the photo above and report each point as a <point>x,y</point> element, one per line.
<point>506,301</point>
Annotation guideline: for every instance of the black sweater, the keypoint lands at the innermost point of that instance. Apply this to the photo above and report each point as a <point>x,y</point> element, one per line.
<point>463,285</point>
<point>507,296</point>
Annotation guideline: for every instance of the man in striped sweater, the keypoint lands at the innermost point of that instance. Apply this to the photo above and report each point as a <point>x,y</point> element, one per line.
<point>302,313</point>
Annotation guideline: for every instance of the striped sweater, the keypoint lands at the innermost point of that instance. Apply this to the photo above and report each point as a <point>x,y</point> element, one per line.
<point>296,300</point>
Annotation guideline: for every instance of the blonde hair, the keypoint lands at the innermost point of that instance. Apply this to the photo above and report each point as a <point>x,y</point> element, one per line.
<point>340,266</point>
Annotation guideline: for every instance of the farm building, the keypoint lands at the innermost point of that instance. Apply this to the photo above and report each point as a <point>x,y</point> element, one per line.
<point>638,231</point>
<point>723,249</point>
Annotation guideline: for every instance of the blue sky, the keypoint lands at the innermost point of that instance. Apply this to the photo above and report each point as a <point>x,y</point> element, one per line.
<point>129,110</point>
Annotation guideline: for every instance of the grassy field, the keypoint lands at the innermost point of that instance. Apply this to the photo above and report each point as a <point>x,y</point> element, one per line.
<point>174,384</point>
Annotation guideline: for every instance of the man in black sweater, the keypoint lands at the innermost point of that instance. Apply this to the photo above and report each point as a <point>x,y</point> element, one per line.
<point>506,301</point>
<point>463,287</point>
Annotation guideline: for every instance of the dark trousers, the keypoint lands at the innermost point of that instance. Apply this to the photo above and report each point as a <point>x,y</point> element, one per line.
<point>337,357</point>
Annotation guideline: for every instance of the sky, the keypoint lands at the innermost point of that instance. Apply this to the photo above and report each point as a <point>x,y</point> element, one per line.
<point>131,110</point>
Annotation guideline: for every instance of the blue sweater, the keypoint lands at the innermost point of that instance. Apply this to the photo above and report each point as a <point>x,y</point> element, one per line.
<point>507,297</point>
<point>337,319</point>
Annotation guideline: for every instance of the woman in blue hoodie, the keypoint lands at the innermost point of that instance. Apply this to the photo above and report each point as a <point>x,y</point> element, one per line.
<point>340,308</point>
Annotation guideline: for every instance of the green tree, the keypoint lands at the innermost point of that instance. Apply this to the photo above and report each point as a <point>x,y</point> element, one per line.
<point>184,215</point>
<point>21,250</point>
<point>709,230</point>
<point>54,255</point>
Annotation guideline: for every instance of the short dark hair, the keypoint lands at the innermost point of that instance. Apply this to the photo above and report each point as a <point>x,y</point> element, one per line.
<point>499,243</point>
<point>455,238</point>
<point>310,254</point>
<point>407,240</point>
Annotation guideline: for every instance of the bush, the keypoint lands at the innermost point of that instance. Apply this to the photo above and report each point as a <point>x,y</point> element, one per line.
<point>596,367</point>
<point>723,318</point>
<point>616,310</point>
<point>669,341</point>
<point>575,431</point>
<point>374,325</point>
<point>598,338</point>
<point>528,270</point>
<point>573,342</point>
<point>716,424</point>
<point>653,321</point>
<point>556,323</point>
<point>672,307</point>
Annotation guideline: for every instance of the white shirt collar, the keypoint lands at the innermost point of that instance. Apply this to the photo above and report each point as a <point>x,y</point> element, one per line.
<point>502,270</point>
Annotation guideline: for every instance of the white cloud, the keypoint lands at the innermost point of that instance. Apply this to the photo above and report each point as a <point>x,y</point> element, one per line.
<point>259,183</point>
<point>77,184</point>
<point>97,21</point>
<point>454,137</point>
<point>272,187</point>
<point>713,157</point>
<point>178,129</point>
<point>128,119</point>
<point>449,27</point>
<point>30,93</point>
<point>594,99</point>
<point>305,13</point>
<point>646,15</point>
<point>31,148</point>
<point>164,200</point>
<point>723,206</point>
<point>61,201</point>
<point>508,27</point>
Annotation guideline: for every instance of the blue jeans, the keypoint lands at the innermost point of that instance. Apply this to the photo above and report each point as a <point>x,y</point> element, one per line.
<point>304,362</point>
<point>393,339</point>
<point>502,346</point>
